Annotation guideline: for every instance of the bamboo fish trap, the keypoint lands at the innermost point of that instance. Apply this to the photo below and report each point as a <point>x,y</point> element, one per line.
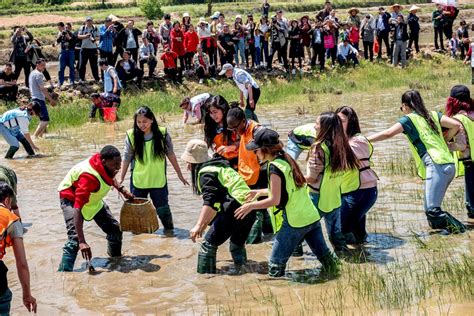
<point>138,216</point>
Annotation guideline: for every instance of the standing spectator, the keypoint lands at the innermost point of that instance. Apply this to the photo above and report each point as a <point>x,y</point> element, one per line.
<point>250,36</point>
<point>317,44</point>
<point>226,45</point>
<point>368,36</point>
<point>117,40</point>
<point>214,34</point>
<point>265,8</point>
<point>221,23</point>
<point>437,18</point>
<point>306,32</point>
<point>463,36</point>
<point>296,46</point>
<point>353,17</point>
<point>67,41</point>
<point>264,29</point>
<point>169,62</point>
<point>453,45</point>
<point>147,56</point>
<point>129,37</point>
<point>346,52</point>
<point>400,38</point>
<point>205,37</point>
<point>258,48</point>
<point>278,44</point>
<point>202,66</point>
<point>414,25</point>
<point>8,85</point>
<point>177,44</point>
<point>330,40</point>
<point>18,56</point>
<point>88,34</point>
<point>191,42</point>
<point>33,53</point>
<point>249,89</point>
<point>450,13</point>
<point>39,93</point>
<point>239,41</point>
<point>165,29</point>
<point>383,31</point>
<point>151,35</point>
<point>284,27</point>
<point>186,21</point>
<point>324,13</point>
<point>107,33</point>
<point>354,35</point>
<point>127,70</point>
<point>111,79</point>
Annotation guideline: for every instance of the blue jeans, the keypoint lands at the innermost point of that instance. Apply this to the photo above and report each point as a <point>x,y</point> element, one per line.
<point>354,208</point>
<point>293,149</point>
<point>44,115</point>
<point>265,51</point>
<point>258,53</point>
<point>288,238</point>
<point>438,178</point>
<point>331,219</point>
<point>344,60</point>
<point>5,302</point>
<point>66,59</point>
<point>469,187</point>
<point>240,49</point>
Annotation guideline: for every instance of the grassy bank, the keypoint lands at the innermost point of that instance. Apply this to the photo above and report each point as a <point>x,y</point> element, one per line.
<point>310,94</point>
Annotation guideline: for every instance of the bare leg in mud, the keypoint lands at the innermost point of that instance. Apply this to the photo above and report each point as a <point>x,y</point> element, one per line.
<point>41,129</point>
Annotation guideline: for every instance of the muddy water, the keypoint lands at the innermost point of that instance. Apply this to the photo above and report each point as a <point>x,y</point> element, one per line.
<point>157,274</point>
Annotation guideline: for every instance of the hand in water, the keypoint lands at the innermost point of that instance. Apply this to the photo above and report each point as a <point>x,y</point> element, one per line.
<point>86,251</point>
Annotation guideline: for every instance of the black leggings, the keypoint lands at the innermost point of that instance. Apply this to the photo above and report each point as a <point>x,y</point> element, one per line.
<point>369,50</point>
<point>414,37</point>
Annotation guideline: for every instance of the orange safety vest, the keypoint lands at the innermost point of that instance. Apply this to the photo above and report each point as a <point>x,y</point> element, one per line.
<point>249,168</point>
<point>219,141</point>
<point>7,218</point>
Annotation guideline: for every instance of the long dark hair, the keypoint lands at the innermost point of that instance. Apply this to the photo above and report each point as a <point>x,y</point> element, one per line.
<point>139,137</point>
<point>210,126</point>
<point>413,100</point>
<point>332,134</point>
<point>353,126</point>
<point>195,167</point>
<point>277,150</point>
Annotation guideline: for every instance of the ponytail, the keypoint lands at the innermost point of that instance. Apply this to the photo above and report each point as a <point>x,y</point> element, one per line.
<point>413,100</point>
<point>277,150</point>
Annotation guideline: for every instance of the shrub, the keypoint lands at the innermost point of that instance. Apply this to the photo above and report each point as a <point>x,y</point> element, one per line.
<point>151,8</point>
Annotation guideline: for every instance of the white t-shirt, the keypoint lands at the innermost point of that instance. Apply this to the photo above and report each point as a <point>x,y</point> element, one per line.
<point>196,103</point>
<point>241,78</point>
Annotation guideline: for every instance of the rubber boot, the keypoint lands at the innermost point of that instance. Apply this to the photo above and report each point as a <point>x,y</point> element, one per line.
<point>255,235</point>
<point>164,213</point>
<point>298,252</point>
<point>437,219</point>
<point>331,264</point>
<point>276,270</point>
<point>27,147</point>
<point>70,250</point>
<point>470,211</point>
<point>207,258</point>
<point>239,254</point>
<point>11,152</point>
<point>350,239</point>
<point>338,242</point>
<point>114,245</point>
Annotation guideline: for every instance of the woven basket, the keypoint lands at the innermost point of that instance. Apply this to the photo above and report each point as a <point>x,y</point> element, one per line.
<point>138,216</point>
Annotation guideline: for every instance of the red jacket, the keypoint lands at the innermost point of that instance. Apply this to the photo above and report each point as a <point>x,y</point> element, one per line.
<point>354,36</point>
<point>87,183</point>
<point>169,59</point>
<point>177,42</point>
<point>191,41</point>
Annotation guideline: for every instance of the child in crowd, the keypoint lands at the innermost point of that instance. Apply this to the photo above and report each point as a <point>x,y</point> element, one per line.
<point>169,63</point>
<point>454,45</point>
<point>191,41</point>
<point>101,101</point>
<point>354,36</point>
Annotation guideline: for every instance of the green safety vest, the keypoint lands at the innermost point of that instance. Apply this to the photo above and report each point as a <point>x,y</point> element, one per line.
<point>330,188</point>
<point>95,204</point>
<point>230,179</point>
<point>299,209</point>
<point>351,178</point>
<point>151,172</point>
<point>434,143</point>
<point>307,130</point>
<point>468,125</point>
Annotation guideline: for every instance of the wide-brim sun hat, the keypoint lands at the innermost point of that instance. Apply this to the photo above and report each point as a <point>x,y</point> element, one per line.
<point>113,18</point>
<point>353,9</point>
<point>414,8</point>
<point>196,152</point>
<point>396,5</point>
<point>202,20</point>
<point>185,15</point>
<point>238,16</point>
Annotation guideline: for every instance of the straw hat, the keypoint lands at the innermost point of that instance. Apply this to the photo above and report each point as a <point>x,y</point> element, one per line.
<point>185,15</point>
<point>353,9</point>
<point>396,5</point>
<point>414,8</point>
<point>238,16</point>
<point>195,152</point>
<point>113,18</point>
<point>202,20</point>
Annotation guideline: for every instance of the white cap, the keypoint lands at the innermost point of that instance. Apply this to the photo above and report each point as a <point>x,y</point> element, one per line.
<point>225,68</point>
<point>185,15</point>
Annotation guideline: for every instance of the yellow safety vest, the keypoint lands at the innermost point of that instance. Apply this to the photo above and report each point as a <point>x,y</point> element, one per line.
<point>150,173</point>
<point>95,204</point>
<point>299,209</point>
<point>468,125</point>
<point>351,178</point>
<point>434,143</point>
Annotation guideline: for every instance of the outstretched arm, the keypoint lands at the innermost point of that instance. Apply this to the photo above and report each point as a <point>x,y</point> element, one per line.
<point>386,134</point>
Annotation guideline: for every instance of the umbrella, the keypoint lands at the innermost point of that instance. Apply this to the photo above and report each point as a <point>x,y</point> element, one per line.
<point>446,2</point>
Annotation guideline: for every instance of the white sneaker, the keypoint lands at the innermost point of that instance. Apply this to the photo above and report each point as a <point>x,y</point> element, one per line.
<point>201,81</point>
